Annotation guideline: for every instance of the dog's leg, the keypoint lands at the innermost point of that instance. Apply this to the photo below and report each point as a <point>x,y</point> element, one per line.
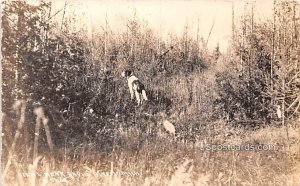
<point>141,96</point>
<point>131,91</point>
<point>144,95</point>
<point>137,95</point>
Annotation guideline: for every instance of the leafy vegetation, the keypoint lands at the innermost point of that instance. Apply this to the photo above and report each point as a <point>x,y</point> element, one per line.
<point>73,83</point>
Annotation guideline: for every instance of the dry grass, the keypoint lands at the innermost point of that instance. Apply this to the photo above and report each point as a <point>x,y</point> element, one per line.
<point>151,156</point>
<point>160,161</point>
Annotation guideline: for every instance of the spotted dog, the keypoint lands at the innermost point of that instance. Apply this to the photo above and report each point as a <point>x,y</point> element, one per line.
<point>135,87</point>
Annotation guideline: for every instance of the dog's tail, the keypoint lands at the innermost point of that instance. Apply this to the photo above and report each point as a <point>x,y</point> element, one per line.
<point>144,95</point>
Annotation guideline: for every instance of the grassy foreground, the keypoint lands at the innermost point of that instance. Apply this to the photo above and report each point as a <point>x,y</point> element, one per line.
<point>145,160</point>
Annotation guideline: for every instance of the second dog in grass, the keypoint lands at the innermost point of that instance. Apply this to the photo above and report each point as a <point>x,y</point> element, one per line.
<point>135,87</point>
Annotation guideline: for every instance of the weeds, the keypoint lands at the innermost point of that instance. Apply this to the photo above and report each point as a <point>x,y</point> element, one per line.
<point>72,121</point>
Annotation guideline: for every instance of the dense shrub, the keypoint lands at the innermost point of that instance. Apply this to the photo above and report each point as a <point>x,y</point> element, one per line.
<point>263,73</point>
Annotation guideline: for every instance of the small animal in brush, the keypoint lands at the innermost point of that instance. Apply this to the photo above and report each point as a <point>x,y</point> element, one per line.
<point>136,87</point>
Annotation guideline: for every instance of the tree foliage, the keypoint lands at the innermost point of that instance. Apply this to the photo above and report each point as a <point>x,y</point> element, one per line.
<point>76,78</point>
<point>266,68</point>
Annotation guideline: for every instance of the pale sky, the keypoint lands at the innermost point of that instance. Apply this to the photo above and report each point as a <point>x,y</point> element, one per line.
<point>168,16</point>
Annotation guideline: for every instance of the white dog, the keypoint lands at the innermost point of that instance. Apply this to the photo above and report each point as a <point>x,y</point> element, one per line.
<point>135,87</point>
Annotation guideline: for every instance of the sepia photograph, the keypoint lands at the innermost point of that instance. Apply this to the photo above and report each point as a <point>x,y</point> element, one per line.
<point>150,93</point>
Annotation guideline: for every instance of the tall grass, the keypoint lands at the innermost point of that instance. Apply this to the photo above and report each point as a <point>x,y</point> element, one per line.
<point>82,128</point>
<point>145,157</point>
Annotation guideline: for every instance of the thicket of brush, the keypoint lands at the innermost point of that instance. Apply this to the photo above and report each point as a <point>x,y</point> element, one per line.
<point>264,68</point>
<point>87,111</point>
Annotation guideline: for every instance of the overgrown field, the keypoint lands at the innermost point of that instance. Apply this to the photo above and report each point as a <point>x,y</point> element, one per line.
<point>68,118</point>
<point>139,158</point>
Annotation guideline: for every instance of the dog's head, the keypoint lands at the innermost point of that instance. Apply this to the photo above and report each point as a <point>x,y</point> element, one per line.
<point>127,73</point>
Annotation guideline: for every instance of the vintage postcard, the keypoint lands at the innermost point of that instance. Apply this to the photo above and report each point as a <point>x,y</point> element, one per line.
<point>160,92</point>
